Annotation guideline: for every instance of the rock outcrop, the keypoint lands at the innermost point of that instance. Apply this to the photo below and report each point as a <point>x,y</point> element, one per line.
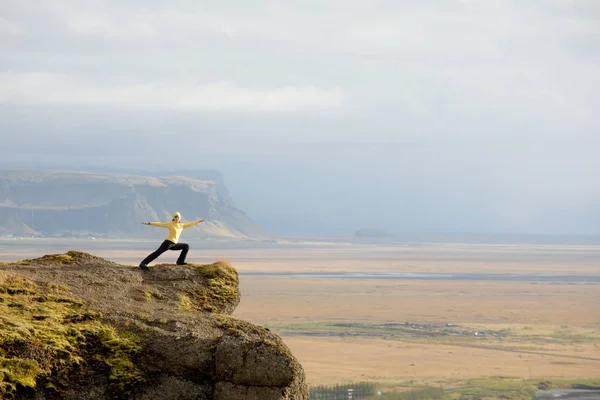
<point>80,327</point>
<point>65,204</point>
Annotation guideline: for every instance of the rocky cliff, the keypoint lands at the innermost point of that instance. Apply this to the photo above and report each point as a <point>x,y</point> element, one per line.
<point>80,327</point>
<point>53,203</point>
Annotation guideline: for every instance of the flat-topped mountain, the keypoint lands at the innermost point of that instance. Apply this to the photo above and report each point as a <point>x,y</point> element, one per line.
<point>66,204</point>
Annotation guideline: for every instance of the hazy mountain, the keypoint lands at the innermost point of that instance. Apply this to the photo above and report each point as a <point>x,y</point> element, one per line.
<point>68,203</point>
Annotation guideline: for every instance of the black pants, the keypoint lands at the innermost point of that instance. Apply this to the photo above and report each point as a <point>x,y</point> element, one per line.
<point>168,245</point>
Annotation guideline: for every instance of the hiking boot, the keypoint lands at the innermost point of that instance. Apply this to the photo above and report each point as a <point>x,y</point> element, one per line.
<point>181,263</point>
<point>144,267</point>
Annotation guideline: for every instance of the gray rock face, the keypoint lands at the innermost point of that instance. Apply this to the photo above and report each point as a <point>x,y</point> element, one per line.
<point>172,388</point>
<point>241,357</point>
<point>229,391</point>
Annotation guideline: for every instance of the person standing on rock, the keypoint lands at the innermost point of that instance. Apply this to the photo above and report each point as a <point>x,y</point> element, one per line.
<point>175,228</point>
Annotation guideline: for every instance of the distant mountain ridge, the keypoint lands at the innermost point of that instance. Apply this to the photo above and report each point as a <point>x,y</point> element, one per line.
<point>70,203</point>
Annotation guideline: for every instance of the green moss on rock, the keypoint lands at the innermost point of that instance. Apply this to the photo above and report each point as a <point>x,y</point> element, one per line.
<point>47,339</point>
<point>61,259</point>
<point>220,289</point>
<point>71,257</point>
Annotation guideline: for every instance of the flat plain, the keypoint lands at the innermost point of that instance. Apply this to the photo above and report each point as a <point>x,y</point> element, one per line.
<point>393,330</point>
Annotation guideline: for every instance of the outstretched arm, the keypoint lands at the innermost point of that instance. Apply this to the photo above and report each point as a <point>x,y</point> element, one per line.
<point>188,224</point>
<point>161,224</point>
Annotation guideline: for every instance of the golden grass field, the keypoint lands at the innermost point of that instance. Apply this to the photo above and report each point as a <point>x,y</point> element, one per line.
<point>526,309</point>
<point>554,328</point>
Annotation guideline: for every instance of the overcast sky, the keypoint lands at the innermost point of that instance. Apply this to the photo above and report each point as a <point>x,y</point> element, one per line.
<point>324,116</point>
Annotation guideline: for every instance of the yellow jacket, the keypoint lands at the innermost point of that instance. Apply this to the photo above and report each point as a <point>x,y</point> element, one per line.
<point>175,229</point>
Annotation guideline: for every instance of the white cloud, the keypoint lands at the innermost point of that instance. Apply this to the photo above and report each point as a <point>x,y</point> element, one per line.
<point>58,89</point>
<point>528,61</point>
<point>106,27</point>
<point>450,30</point>
<point>10,28</point>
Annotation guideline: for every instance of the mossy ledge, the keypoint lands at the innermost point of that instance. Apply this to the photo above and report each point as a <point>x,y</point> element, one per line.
<point>220,287</point>
<point>71,257</point>
<point>48,339</point>
<point>211,288</point>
